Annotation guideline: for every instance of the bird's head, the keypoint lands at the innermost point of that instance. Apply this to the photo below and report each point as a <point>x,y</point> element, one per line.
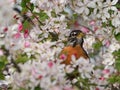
<point>76,37</point>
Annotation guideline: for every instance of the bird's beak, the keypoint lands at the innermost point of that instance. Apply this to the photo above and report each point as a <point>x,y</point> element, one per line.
<point>80,35</point>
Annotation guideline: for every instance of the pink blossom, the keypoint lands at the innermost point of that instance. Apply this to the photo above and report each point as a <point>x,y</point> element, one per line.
<point>40,77</point>
<point>68,88</point>
<point>95,28</point>
<point>107,43</point>
<point>17,35</point>
<point>35,74</point>
<point>56,88</point>
<point>84,29</point>
<point>57,30</point>
<point>1,52</point>
<point>26,33</point>
<point>97,88</point>
<point>5,29</point>
<point>102,78</point>
<point>33,71</point>
<point>11,1</point>
<point>92,22</point>
<point>63,56</point>
<point>20,27</point>
<point>50,64</point>
<point>76,24</point>
<point>27,44</point>
<point>106,71</point>
<point>15,16</point>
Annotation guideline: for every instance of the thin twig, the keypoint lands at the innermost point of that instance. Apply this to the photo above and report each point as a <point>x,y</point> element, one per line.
<point>34,15</point>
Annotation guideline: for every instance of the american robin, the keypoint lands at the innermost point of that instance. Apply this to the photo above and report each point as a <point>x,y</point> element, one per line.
<point>74,47</point>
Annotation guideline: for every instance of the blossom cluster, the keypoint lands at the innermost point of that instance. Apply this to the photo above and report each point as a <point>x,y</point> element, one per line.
<point>32,38</point>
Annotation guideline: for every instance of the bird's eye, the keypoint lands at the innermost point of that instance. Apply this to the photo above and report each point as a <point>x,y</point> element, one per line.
<point>74,34</point>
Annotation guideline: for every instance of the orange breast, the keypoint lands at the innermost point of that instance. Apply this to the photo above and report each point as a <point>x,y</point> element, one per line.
<point>69,51</point>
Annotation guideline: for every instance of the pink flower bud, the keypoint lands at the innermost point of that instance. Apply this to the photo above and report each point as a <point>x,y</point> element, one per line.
<point>92,22</point>
<point>106,71</point>
<point>68,88</point>
<point>27,44</point>
<point>107,43</point>
<point>20,27</point>
<point>17,35</point>
<point>95,28</point>
<point>50,64</point>
<point>76,24</point>
<point>97,88</point>
<point>40,77</point>
<point>15,16</point>
<point>5,29</point>
<point>26,33</point>
<point>1,52</point>
<point>84,29</point>
<point>102,78</point>
<point>63,56</point>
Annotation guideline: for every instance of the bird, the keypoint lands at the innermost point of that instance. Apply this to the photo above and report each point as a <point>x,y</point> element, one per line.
<point>74,47</point>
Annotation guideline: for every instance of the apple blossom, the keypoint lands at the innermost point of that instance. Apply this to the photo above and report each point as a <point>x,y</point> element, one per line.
<point>20,27</point>
<point>36,50</point>
<point>1,52</point>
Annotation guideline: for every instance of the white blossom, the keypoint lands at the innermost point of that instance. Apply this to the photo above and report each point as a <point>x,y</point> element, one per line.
<point>98,19</point>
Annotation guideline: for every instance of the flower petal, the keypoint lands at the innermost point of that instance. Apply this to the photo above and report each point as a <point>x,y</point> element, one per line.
<point>114,2</point>
<point>91,4</point>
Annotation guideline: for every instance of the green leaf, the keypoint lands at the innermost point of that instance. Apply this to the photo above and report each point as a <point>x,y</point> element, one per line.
<point>22,89</point>
<point>104,24</point>
<point>24,2</point>
<point>114,79</point>
<point>110,24</point>
<point>63,12</point>
<point>116,53</point>
<point>110,12</point>
<point>117,64</point>
<point>117,36</point>
<point>97,45</point>
<point>32,7</point>
<point>54,36</point>
<point>75,16</point>
<point>1,76</point>
<point>38,88</point>
<point>43,16</point>
<point>3,59</point>
<point>24,10</point>
<point>91,10</point>
<point>53,14</point>
<point>118,5</point>
<point>22,59</point>
<point>26,25</point>
<point>2,64</point>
